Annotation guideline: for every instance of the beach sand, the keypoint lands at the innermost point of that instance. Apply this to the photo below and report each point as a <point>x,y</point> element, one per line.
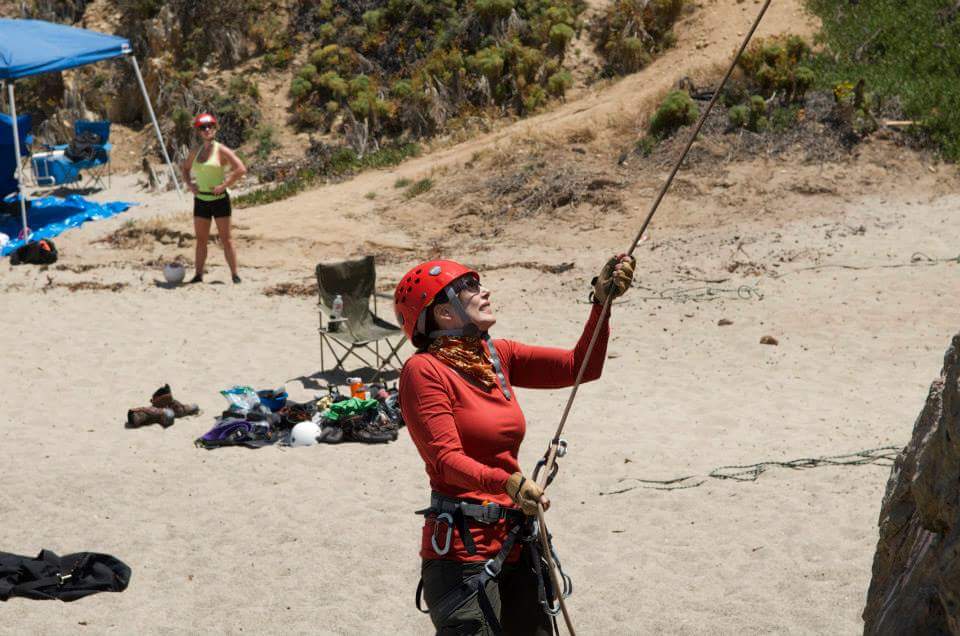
<point>324,539</point>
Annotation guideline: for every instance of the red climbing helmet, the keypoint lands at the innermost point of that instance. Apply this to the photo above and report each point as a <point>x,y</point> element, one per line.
<point>204,119</point>
<point>417,289</point>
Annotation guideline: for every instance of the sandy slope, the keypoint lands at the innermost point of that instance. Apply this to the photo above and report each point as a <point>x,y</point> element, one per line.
<point>323,540</point>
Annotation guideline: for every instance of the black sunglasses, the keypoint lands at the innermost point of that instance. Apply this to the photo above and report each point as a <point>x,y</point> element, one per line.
<point>206,126</point>
<point>467,283</point>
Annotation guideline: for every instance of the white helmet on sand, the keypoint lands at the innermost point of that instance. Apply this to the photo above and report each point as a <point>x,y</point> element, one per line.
<point>304,434</point>
<point>174,273</point>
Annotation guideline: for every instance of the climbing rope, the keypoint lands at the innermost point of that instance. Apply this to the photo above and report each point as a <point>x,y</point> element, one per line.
<point>881,456</point>
<point>700,294</point>
<point>554,448</point>
<point>917,259</point>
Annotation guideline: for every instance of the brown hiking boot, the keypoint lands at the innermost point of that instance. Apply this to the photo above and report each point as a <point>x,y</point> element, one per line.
<point>149,415</point>
<point>163,398</point>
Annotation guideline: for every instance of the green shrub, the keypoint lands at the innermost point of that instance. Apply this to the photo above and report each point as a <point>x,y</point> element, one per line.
<point>560,35</point>
<point>494,9</point>
<point>339,162</point>
<point>630,32</point>
<point>241,86</point>
<point>299,88</point>
<point>418,187</point>
<point>407,67</point>
<point>645,146</point>
<point>904,50</point>
<point>559,82</point>
<point>782,119</point>
<point>265,142</point>
<point>739,116</point>
<point>678,109</point>
<point>778,65</point>
<point>279,59</point>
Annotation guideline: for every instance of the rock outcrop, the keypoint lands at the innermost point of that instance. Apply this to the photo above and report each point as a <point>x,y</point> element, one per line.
<point>915,587</point>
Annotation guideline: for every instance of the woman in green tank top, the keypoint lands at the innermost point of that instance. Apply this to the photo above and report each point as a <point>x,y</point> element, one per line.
<point>205,171</point>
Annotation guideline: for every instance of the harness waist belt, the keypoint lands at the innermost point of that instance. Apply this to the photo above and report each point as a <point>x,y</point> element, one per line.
<point>489,513</point>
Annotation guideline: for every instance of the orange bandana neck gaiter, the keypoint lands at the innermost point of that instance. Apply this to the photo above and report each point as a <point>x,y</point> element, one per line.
<point>467,355</point>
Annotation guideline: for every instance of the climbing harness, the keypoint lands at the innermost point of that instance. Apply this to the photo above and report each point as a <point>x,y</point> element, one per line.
<point>547,465</point>
<point>452,513</point>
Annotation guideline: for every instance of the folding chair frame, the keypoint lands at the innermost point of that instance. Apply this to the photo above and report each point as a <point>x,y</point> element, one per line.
<point>326,340</point>
<point>350,349</point>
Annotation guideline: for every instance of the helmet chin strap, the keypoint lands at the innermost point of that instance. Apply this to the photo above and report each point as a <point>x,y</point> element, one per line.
<point>469,330</point>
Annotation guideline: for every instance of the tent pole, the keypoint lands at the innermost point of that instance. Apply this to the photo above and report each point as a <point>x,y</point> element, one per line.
<point>16,150</point>
<point>156,126</point>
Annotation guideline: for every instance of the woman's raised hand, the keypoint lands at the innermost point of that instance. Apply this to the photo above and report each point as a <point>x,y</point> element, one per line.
<point>615,278</point>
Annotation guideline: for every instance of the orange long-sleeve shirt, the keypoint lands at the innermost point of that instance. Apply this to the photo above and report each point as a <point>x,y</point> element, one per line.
<point>469,437</point>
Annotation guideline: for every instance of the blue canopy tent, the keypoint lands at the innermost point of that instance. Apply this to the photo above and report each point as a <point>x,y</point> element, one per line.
<point>33,47</point>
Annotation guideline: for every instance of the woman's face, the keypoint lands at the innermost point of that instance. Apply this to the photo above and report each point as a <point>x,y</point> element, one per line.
<point>207,132</point>
<point>475,299</point>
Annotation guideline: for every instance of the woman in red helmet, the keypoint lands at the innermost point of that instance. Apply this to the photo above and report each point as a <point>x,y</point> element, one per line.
<point>480,573</point>
<point>205,173</point>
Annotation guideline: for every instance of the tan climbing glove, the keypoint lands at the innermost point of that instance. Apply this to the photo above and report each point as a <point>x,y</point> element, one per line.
<point>525,493</point>
<point>615,277</point>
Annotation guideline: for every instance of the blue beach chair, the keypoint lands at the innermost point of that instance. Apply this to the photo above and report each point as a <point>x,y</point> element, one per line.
<point>55,167</point>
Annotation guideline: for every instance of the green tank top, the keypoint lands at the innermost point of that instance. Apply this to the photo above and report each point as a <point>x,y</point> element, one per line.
<point>208,174</point>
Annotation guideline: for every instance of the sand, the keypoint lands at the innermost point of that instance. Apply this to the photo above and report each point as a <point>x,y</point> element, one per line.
<point>324,539</point>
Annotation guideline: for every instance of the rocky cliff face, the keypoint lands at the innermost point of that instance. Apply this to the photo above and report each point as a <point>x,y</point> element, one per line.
<point>916,570</point>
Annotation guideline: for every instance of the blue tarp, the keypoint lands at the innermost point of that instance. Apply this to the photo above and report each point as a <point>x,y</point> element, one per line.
<point>31,47</point>
<point>51,216</point>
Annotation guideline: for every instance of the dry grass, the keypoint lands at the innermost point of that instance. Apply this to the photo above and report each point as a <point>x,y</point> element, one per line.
<point>297,290</point>
<point>145,232</point>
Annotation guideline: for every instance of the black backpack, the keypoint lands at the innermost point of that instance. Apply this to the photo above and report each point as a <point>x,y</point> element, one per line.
<point>42,252</point>
<point>83,147</point>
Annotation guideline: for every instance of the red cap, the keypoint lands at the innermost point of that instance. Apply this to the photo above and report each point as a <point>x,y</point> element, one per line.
<point>204,119</point>
<point>420,286</point>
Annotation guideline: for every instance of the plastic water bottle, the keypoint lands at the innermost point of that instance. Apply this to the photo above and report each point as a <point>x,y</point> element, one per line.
<point>357,388</point>
<point>336,312</point>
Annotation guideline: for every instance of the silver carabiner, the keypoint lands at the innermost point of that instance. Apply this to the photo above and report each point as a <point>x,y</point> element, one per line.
<point>447,519</point>
<point>552,610</point>
<point>561,447</point>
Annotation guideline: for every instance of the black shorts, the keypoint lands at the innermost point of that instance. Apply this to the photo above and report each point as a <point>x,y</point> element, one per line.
<point>212,209</point>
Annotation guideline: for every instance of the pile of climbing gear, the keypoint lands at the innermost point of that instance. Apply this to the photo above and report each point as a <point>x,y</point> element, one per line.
<point>262,418</point>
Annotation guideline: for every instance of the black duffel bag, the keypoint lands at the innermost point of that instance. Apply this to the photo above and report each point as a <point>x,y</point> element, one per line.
<point>42,252</point>
<point>66,578</point>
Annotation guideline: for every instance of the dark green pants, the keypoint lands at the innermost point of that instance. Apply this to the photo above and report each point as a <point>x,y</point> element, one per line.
<point>513,596</point>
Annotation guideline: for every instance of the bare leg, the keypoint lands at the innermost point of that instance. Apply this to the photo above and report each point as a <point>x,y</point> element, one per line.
<point>201,227</point>
<point>223,229</point>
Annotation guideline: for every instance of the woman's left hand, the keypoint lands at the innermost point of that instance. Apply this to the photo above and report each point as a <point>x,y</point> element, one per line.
<point>615,278</point>
<point>220,189</point>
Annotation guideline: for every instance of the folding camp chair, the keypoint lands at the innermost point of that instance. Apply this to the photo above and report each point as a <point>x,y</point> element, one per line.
<point>100,167</point>
<point>359,328</point>
<point>54,167</point>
